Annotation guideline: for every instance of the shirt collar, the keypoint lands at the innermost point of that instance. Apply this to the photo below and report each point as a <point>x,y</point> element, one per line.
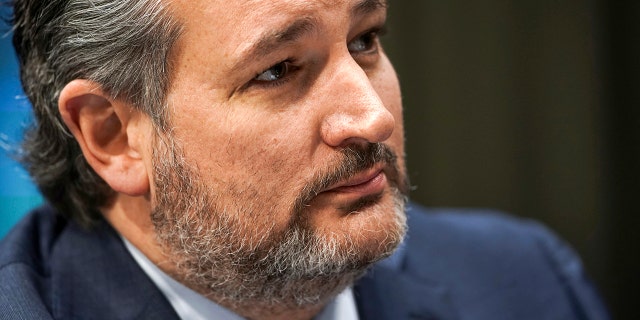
<point>192,305</point>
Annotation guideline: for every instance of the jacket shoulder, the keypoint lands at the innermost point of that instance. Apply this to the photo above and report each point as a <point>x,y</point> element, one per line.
<point>24,265</point>
<point>488,258</point>
<point>52,267</point>
<point>472,231</point>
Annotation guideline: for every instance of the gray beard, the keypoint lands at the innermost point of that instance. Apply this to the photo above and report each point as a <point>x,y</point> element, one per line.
<point>272,269</point>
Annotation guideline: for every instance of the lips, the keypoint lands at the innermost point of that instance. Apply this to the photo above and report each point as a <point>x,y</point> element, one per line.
<point>368,182</point>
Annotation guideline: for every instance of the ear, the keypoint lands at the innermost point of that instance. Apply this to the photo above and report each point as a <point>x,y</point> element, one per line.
<point>109,133</point>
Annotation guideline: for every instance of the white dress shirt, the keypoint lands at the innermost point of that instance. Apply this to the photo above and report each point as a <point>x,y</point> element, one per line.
<point>190,305</point>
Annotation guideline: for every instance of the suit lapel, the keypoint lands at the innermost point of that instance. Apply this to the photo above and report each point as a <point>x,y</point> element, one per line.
<point>387,292</point>
<point>94,277</point>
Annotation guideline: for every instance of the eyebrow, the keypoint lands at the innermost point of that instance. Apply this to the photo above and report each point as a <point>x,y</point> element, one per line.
<point>301,27</point>
<point>271,40</point>
<point>365,7</point>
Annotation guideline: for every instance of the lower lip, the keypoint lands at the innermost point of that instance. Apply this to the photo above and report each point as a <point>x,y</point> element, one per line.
<point>371,186</point>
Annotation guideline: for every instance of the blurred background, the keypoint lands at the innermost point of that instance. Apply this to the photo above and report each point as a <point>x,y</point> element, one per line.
<point>531,107</point>
<point>17,193</point>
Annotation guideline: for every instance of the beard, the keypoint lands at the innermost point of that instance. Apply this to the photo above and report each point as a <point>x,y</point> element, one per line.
<point>224,243</point>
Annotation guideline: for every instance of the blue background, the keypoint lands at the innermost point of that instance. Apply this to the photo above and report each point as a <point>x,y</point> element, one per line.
<point>17,192</point>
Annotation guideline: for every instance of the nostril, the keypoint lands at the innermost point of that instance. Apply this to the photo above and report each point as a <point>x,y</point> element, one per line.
<point>353,142</point>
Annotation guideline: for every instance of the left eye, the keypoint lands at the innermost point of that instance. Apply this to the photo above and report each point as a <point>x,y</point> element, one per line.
<point>363,43</point>
<point>275,73</point>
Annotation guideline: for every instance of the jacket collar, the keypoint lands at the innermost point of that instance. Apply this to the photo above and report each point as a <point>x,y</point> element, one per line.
<point>93,276</point>
<point>388,292</point>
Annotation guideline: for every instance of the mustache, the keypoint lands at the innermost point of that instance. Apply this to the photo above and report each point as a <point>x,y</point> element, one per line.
<point>355,159</point>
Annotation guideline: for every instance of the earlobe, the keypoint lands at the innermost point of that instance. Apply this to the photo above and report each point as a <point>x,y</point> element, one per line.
<point>103,127</point>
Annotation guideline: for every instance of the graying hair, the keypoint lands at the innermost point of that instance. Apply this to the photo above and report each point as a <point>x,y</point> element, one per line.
<point>124,46</point>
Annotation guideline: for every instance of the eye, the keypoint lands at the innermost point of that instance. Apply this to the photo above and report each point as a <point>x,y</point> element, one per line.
<point>275,72</point>
<point>365,43</point>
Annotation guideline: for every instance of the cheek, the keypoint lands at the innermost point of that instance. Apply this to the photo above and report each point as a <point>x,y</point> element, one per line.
<point>250,156</point>
<point>262,144</point>
<point>386,83</point>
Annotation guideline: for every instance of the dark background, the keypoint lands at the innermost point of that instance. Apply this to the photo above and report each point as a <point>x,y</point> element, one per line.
<point>531,107</point>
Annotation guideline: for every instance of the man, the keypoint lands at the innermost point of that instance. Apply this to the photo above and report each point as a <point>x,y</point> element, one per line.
<point>227,159</point>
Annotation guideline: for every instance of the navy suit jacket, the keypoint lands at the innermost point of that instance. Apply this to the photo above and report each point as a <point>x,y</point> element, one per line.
<point>453,265</point>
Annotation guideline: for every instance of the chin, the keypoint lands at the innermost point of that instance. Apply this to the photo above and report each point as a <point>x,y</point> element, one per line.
<point>373,227</point>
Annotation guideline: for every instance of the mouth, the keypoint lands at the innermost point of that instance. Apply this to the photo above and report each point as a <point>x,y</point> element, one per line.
<point>369,182</point>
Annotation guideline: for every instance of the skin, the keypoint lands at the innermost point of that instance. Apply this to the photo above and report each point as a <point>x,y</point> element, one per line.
<point>293,129</point>
<point>255,142</point>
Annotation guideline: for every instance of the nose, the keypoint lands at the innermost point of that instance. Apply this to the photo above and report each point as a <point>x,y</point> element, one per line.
<point>356,113</point>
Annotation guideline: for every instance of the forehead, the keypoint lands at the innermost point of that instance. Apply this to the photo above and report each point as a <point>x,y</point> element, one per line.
<point>238,10</point>
<point>221,31</point>
<point>243,13</point>
<point>232,18</point>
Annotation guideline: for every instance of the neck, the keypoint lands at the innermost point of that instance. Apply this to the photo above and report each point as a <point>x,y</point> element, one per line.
<point>262,308</point>
<point>294,314</point>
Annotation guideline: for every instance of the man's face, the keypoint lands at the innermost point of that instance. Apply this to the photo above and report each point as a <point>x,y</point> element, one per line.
<point>286,147</point>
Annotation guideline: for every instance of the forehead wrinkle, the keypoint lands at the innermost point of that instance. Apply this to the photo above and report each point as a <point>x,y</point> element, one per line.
<point>307,23</point>
<point>293,32</point>
<point>272,40</point>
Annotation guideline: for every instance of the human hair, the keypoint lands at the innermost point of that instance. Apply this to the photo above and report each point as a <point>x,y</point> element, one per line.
<point>123,46</point>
